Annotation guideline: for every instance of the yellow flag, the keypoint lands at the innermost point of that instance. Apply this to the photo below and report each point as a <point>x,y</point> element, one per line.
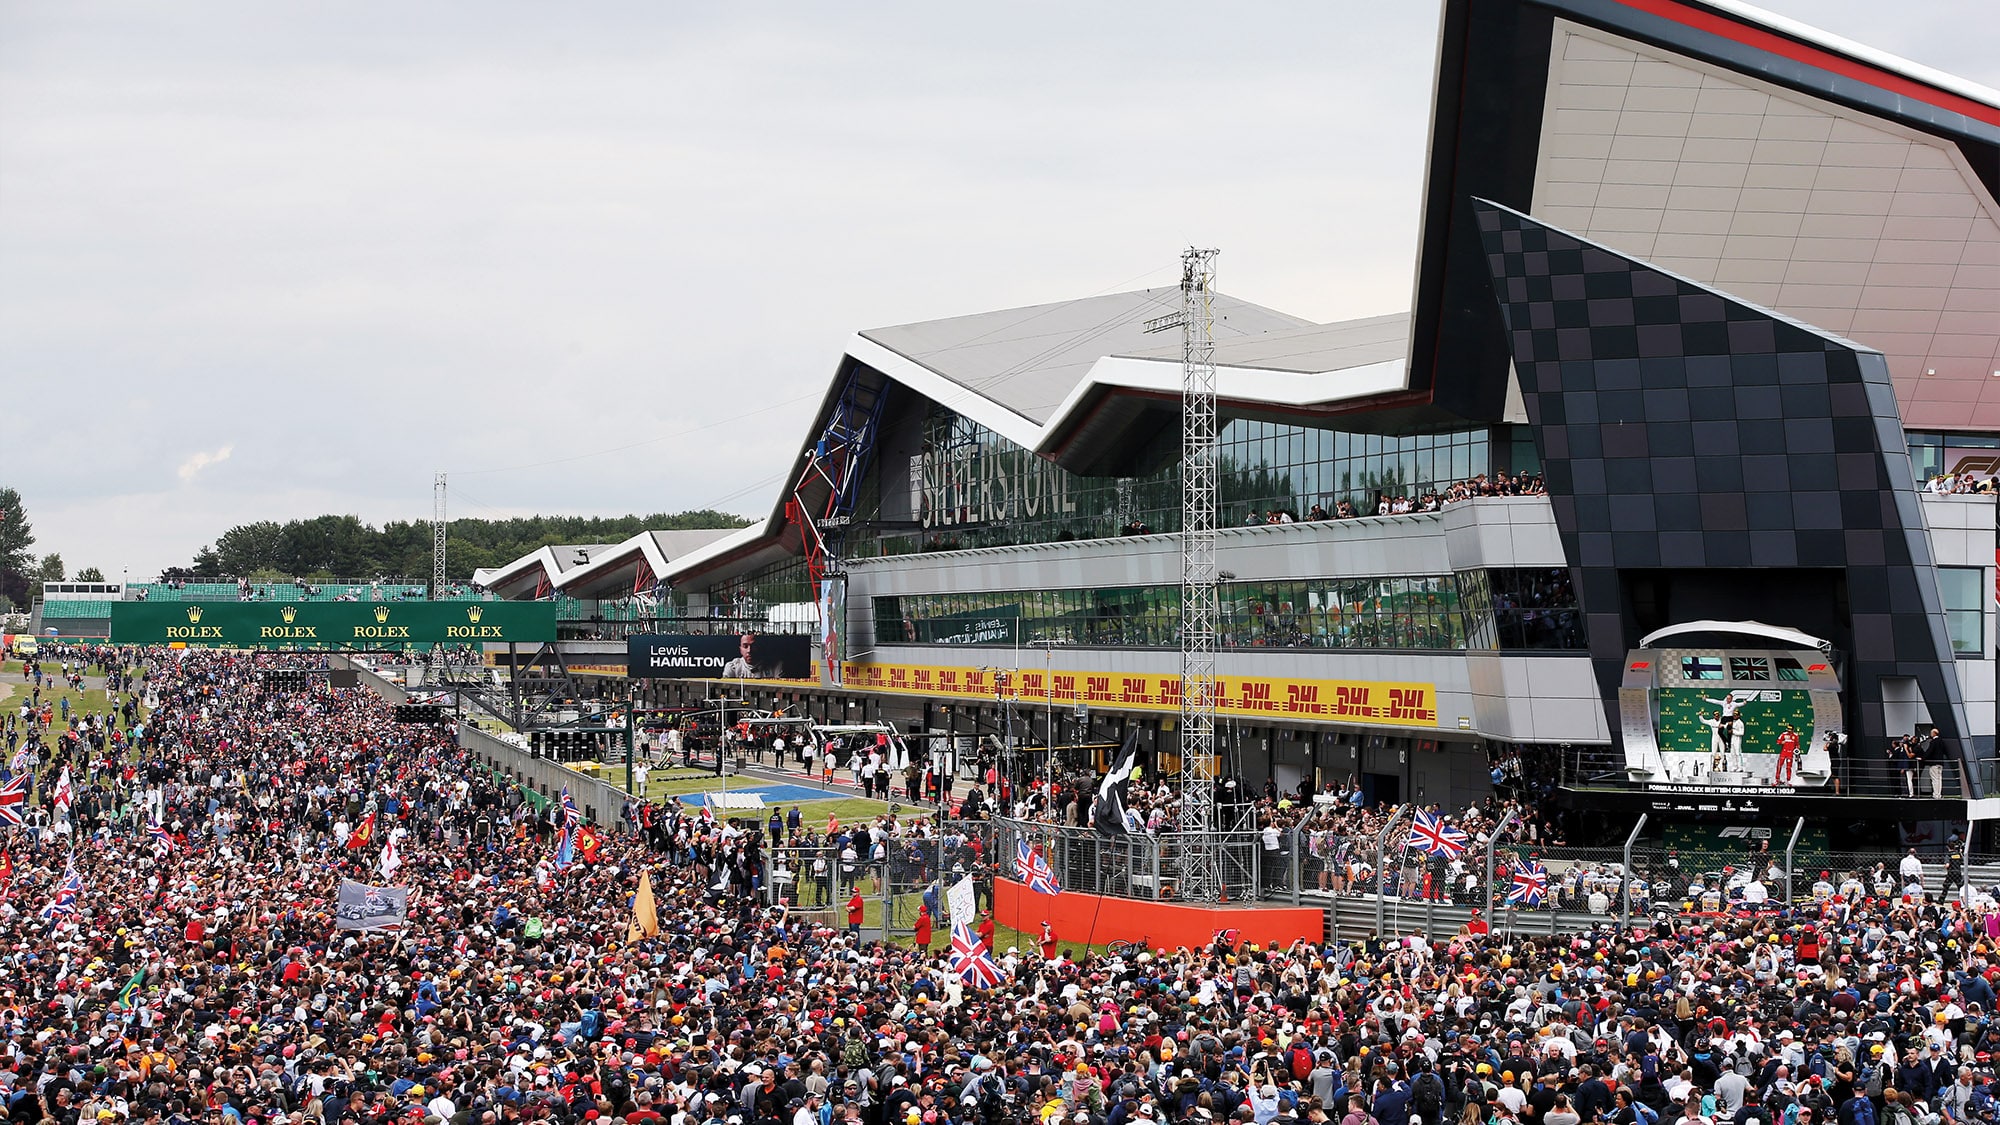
<point>645,917</point>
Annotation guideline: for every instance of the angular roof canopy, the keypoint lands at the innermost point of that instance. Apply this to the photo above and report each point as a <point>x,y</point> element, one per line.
<point>1029,360</point>
<point>1094,384</point>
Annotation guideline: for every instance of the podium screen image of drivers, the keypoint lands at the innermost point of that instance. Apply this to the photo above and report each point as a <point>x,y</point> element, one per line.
<point>1741,731</point>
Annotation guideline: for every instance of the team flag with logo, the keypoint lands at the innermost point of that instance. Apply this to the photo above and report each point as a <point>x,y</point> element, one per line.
<point>565,848</point>
<point>360,836</point>
<point>1108,810</point>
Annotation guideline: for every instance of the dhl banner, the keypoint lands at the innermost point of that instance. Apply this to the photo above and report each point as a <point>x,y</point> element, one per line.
<point>1361,701</point>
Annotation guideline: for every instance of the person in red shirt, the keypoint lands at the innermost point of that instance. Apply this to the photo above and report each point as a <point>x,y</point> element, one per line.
<point>924,926</point>
<point>1475,925</point>
<point>986,929</point>
<point>1788,753</point>
<point>854,909</point>
<point>1048,942</point>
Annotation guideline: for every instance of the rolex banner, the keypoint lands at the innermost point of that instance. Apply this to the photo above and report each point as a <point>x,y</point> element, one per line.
<point>282,624</point>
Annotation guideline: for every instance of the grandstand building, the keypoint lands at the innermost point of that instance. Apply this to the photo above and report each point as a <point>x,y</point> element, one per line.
<point>1713,296</point>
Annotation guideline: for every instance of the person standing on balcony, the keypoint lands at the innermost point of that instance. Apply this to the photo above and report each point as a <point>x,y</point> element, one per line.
<point>1936,751</point>
<point>1905,756</point>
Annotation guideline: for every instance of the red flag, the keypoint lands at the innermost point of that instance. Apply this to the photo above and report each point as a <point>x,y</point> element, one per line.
<point>587,843</point>
<point>363,834</point>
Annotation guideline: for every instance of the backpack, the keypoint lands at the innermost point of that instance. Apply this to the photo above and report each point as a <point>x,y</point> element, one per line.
<point>1427,1098</point>
<point>1864,1110</point>
<point>1647,1114</point>
<point>1302,1062</point>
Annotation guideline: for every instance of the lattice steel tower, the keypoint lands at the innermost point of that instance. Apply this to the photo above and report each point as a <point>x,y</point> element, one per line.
<point>1200,859</point>
<point>437,537</point>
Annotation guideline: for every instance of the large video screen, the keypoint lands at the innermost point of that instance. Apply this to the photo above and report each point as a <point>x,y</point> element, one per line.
<point>730,656</point>
<point>1709,718</point>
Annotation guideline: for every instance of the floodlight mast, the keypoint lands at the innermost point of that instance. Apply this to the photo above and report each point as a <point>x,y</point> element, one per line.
<point>1200,862</point>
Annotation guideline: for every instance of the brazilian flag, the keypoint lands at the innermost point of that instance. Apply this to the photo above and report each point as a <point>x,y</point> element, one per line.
<point>130,992</point>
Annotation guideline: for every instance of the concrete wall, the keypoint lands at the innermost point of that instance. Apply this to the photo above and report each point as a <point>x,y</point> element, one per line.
<point>600,801</point>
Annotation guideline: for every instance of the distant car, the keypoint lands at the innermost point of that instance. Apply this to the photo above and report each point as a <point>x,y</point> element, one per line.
<point>27,646</point>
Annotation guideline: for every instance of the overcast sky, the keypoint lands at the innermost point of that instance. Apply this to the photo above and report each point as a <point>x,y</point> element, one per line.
<point>267,260</point>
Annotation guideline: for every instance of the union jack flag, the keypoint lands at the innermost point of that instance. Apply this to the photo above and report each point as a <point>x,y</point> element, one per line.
<point>67,892</point>
<point>163,840</point>
<point>970,959</point>
<point>1033,869</point>
<point>570,813</point>
<point>13,800</point>
<point>1531,883</point>
<point>22,760</point>
<point>1430,833</point>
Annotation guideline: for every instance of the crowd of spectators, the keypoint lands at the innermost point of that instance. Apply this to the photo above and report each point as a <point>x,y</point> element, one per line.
<point>1961,484</point>
<point>192,975</point>
<point>1424,499</point>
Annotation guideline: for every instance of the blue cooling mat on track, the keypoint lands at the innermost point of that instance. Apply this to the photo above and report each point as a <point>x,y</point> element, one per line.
<point>778,795</point>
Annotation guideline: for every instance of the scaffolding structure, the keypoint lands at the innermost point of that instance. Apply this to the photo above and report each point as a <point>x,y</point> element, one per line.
<point>437,537</point>
<point>1200,875</point>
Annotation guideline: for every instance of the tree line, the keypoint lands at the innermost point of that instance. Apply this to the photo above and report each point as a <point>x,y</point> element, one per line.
<point>329,548</point>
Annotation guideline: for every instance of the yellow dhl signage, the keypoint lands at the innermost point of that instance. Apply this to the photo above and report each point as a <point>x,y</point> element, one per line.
<point>1362,701</point>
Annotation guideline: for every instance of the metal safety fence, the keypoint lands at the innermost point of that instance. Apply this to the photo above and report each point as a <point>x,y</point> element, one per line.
<point>1517,883</point>
<point>899,876</point>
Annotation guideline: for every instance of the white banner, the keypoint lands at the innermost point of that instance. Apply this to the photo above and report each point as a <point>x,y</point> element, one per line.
<point>963,906</point>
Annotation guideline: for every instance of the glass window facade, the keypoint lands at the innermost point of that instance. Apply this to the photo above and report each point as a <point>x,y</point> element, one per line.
<point>1522,608</point>
<point>1965,596</point>
<point>1417,612</point>
<point>969,487</point>
<point>1934,453</point>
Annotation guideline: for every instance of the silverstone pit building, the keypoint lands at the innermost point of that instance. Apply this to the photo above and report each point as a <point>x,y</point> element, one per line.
<point>1706,303</point>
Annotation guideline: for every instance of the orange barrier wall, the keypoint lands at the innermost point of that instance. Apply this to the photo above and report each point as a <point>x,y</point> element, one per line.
<point>1096,919</point>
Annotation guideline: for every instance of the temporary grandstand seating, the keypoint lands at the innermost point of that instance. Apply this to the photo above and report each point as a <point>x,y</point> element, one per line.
<point>401,590</point>
<point>76,607</point>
